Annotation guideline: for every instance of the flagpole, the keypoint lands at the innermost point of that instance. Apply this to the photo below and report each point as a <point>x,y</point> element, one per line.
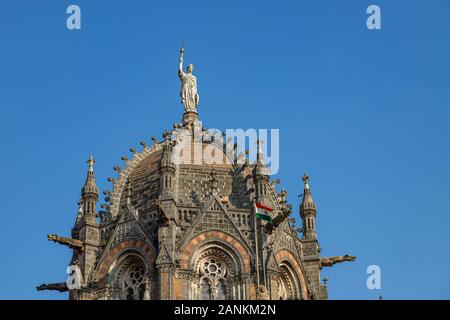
<point>256,242</point>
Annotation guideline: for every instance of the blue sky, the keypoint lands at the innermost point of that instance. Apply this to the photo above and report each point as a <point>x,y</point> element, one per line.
<point>365,113</point>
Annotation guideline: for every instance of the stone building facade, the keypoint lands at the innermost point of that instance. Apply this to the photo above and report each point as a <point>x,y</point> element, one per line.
<point>187,229</point>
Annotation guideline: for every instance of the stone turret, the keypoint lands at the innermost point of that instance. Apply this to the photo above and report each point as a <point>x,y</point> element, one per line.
<point>261,177</point>
<point>89,232</point>
<point>89,194</point>
<point>168,170</point>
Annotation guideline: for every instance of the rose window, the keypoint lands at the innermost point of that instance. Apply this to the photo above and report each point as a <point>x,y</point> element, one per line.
<point>213,268</point>
<point>136,275</point>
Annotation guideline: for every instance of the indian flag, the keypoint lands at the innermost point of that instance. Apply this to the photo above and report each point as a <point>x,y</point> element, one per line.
<point>263,212</point>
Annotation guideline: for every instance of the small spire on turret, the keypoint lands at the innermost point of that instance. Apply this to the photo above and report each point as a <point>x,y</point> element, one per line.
<point>308,211</point>
<point>261,168</point>
<point>89,192</point>
<point>307,197</point>
<point>128,192</point>
<point>80,209</point>
<point>259,155</point>
<point>283,200</point>
<point>306,180</point>
<point>91,162</point>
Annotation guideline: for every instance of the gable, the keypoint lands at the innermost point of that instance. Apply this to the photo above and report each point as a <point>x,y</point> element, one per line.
<point>214,216</point>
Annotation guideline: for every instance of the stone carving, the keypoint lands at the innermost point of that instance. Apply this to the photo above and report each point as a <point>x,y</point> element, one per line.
<point>330,261</point>
<point>146,289</point>
<point>188,90</point>
<point>71,243</point>
<point>61,287</point>
<point>262,293</point>
<point>277,220</point>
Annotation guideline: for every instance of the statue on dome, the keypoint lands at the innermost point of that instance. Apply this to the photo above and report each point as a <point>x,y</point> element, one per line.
<point>188,90</point>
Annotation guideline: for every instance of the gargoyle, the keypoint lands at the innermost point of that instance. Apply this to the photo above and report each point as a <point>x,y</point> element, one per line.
<point>71,243</point>
<point>277,220</point>
<point>330,261</point>
<point>61,287</point>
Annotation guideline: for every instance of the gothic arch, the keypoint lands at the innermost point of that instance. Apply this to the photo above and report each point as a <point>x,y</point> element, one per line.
<point>132,276</point>
<point>227,241</point>
<point>112,258</point>
<point>219,264</point>
<point>291,274</point>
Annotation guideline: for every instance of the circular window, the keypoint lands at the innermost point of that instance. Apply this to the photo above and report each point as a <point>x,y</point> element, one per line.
<point>136,275</point>
<point>213,268</point>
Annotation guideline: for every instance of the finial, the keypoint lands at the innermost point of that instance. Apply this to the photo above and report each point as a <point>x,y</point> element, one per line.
<point>155,141</point>
<point>91,162</point>
<point>275,182</point>
<point>259,143</point>
<point>260,156</point>
<point>80,207</point>
<point>166,135</point>
<point>128,191</point>
<point>283,194</point>
<point>305,178</point>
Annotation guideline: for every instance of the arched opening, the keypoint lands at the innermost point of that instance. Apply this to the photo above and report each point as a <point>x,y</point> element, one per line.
<point>216,270</point>
<point>132,277</point>
<point>288,284</point>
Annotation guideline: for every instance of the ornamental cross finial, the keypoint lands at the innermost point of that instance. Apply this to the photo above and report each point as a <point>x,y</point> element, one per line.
<point>91,162</point>
<point>306,180</point>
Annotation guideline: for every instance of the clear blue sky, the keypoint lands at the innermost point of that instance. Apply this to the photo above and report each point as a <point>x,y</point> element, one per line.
<point>365,113</point>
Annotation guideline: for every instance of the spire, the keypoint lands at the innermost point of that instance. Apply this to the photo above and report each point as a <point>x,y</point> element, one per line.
<point>91,162</point>
<point>128,192</point>
<point>90,185</point>
<point>80,209</point>
<point>89,192</point>
<point>260,162</point>
<point>308,202</point>
<point>259,156</point>
<point>308,211</point>
<point>283,196</point>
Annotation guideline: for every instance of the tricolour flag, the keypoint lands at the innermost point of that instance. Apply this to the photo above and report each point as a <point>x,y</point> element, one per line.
<point>263,212</point>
